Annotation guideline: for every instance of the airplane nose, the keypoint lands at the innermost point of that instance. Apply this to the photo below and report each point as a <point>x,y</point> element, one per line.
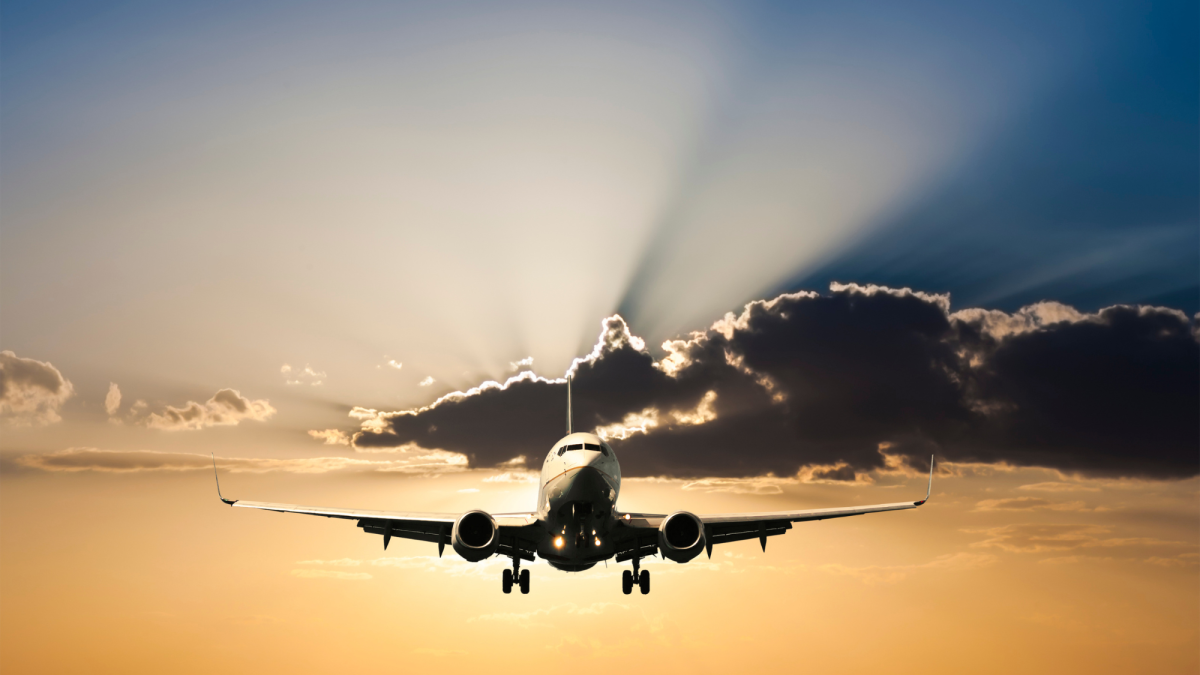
<point>575,461</point>
<point>585,484</point>
<point>581,459</point>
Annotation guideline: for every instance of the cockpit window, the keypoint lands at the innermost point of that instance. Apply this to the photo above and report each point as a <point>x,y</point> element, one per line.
<point>583,446</point>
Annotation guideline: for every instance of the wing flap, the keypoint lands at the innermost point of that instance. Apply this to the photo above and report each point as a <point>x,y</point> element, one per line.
<point>636,542</point>
<point>751,531</point>
<point>520,541</point>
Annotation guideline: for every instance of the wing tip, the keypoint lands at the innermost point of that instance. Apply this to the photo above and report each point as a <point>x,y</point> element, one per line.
<point>928,488</point>
<point>230,502</point>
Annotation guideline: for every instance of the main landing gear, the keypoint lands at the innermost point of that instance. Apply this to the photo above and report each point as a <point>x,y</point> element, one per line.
<point>628,579</point>
<point>520,576</point>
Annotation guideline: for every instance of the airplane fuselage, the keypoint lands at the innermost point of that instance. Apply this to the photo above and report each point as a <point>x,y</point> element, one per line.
<point>580,482</point>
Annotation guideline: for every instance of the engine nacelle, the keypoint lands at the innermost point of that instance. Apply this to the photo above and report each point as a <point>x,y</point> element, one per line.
<point>475,536</point>
<point>681,537</point>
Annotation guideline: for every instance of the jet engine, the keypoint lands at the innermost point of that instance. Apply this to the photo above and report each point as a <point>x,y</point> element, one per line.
<point>681,537</point>
<point>475,536</point>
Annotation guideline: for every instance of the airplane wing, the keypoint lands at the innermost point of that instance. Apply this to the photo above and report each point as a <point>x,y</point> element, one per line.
<point>641,529</point>
<point>518,534</point>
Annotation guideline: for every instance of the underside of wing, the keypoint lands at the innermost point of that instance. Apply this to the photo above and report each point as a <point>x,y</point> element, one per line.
<point>517,533</point>
<point>637,535</point>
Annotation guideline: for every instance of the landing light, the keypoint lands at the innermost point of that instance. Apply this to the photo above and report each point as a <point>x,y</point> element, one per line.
<point>597,541</point>
<point>558,542</point>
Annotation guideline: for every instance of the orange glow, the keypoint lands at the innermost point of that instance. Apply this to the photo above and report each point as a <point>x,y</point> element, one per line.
<point>974,572</point>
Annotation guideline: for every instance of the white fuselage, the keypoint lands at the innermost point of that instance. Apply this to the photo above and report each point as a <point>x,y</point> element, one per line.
<point>580,482</point>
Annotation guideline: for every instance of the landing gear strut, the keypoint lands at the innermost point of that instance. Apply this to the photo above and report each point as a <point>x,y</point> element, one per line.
<point>517,575</point>
<point>628,579</point>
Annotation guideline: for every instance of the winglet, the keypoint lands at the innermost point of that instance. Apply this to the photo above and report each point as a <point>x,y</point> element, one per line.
<point>227,501</point>
<point>568,405</point>
<point>928,490</point>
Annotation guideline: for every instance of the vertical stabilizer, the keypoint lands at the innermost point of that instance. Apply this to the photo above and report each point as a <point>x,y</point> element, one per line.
<point>568,405</point>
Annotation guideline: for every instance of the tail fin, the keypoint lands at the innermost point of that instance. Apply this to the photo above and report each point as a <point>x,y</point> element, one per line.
<point>568,405</point>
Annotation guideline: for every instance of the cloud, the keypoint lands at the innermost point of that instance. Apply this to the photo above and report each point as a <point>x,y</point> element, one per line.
<point>759,485</point>
<point>330,436</point>
<point>526,362</point>
<point>226,407</point>
<point>1074,559</point>
<point>1044,538</point>
<point>1181,560</point>
<point>843,473</point>
<point>1029,504</point>
<point>513,477</point>
<point>845,380</point>
<point>112,400</point>
<point>426,382</point>
<point>31,392</point>
<point>876,574</point>
<point>395,364</point>
<point>999,325</point>
<point>136,461</point>
<point>1058,486</point>
<point>307,375</point>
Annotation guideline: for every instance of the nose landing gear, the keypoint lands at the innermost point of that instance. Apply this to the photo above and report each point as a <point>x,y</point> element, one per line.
<point>628,579</point>
<point>515,575</point>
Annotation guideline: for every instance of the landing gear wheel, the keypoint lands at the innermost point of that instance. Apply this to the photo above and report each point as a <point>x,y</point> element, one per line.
<point>508,581</point>
<point>627,582</point>
<point>644,582</point>
<point>524,582</point>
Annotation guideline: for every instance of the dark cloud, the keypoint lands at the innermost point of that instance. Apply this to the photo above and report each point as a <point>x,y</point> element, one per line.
<point>1115,394</point>
<point>808,380</point>
<point>844,474</point>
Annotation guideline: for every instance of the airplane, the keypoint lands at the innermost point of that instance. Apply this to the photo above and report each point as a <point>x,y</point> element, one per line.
<point>577,523</point>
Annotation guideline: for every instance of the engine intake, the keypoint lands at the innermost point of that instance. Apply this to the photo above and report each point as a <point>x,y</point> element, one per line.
<point>475,536</point>
<point>681,537</point>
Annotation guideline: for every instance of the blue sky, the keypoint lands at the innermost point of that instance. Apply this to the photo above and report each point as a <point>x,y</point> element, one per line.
<point>1088,197</point>
<point>413,179</point>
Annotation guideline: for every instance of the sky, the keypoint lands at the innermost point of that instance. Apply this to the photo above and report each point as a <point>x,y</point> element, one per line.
<point>787,252</point>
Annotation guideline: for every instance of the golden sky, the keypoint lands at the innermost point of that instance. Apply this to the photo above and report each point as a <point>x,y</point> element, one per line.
<point>353,251</point>
<point>1003,570</point>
